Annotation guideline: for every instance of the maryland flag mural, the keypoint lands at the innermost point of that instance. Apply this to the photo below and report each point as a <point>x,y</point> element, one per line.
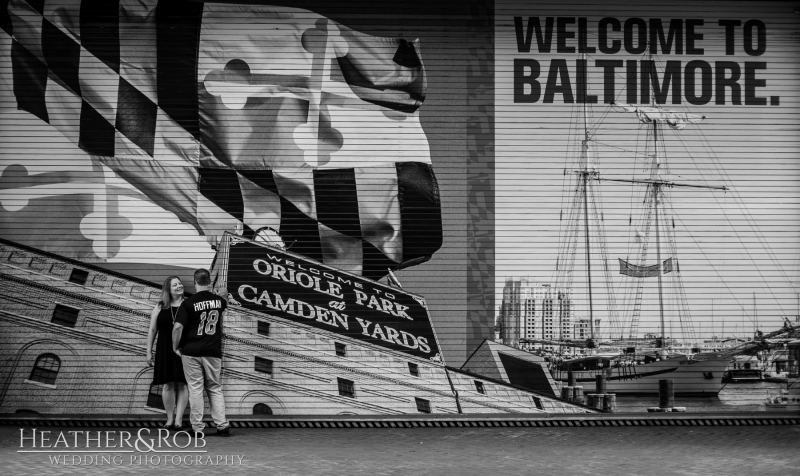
<point>231,117</point>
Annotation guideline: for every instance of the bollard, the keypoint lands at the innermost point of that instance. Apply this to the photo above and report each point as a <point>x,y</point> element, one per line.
<point>566,393</point>
<point>571,378</point>
<point>610,403</point>
<point>594,400</point>
<point>666,393</point>
<point>598,401</point>
<point>577,394</point>
<point>600,382</point>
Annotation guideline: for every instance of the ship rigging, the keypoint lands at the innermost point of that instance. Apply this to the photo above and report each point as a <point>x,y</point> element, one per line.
<point>582,222</point>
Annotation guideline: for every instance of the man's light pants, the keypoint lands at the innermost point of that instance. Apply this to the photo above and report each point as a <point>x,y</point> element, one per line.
<point>194,368</point>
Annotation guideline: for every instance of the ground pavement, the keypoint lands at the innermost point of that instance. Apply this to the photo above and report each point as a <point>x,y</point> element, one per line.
<point>673,450</point>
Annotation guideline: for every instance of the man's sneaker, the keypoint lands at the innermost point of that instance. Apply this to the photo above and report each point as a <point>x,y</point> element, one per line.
<point>224,432</point>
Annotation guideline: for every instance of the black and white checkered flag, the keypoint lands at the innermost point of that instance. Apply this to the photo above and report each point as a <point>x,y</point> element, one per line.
<point>242,117</point>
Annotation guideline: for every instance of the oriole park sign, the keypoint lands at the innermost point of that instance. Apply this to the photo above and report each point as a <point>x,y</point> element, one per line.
<point>282,284</point>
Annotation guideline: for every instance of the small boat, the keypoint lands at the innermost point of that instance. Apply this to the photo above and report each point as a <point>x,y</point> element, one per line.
<point>744,369</point>
<point>789,397</point>
<point>742,376</point>
<point>777,366</point>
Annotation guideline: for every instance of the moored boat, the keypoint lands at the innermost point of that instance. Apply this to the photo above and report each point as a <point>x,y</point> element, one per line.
<point>744,369</point>
<point>776,368</point>
<point>651,269</point>
<point>626,374</point>
<point>789,397</point>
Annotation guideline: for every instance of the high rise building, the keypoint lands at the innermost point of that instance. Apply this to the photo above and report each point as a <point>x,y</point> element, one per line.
<point>534,311</point>
<point>583,329</point>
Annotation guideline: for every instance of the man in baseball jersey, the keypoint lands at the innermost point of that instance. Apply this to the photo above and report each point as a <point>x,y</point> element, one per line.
<point>197,338</point>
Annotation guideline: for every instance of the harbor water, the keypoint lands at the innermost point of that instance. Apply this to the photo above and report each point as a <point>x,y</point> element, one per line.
<point>745,397</point>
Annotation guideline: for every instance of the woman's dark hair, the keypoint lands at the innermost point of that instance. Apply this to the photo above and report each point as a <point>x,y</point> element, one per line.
<point>166,297</point>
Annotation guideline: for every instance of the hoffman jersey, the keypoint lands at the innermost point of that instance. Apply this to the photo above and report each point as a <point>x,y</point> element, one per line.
<point>202,316</point>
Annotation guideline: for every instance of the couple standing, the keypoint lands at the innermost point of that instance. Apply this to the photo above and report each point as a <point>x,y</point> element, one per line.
<point>189,351</point>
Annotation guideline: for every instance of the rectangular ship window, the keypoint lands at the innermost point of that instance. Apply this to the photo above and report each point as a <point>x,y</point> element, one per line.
<point>263,365</point>
<point>479,387</point>
<point>346,388</point>
<point>263,328</point>
<point>413,369</point>
<point>341,349</point>
<point>78,276</point>
<point>65,315</point>
<point>423,406</point>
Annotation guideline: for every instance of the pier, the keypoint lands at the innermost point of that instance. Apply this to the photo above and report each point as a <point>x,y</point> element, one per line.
<point>491,444</point>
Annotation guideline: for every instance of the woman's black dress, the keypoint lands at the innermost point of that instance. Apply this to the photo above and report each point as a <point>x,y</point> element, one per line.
<point>168,366</point>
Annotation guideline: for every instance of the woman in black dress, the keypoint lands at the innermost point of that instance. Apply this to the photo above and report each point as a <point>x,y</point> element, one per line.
<point>168,370</point>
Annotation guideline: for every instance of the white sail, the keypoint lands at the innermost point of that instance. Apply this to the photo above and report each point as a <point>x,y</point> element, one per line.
<point>649,114</point>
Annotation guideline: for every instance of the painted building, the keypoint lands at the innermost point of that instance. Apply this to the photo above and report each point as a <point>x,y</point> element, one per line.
<point>585,330</point>
<point>530,310</point>
<point>74,341</point>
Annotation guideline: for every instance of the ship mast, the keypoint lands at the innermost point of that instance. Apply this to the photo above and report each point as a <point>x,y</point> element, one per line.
<point>657,173</point>
<point>659,265</point>
<point>583,201</point>
<point>585,177</point>
<point>655,115</point>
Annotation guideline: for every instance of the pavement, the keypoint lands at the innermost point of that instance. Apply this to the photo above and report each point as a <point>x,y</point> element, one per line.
<point>658,450</point>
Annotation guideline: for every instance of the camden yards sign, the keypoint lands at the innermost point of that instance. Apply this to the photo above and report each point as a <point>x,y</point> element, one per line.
<point>281,284</point>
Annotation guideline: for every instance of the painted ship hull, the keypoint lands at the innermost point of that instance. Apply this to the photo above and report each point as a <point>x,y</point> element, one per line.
<point>702,377</point>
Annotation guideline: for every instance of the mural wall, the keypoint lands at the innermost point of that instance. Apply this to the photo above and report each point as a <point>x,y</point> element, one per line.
<point>635,162</point>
